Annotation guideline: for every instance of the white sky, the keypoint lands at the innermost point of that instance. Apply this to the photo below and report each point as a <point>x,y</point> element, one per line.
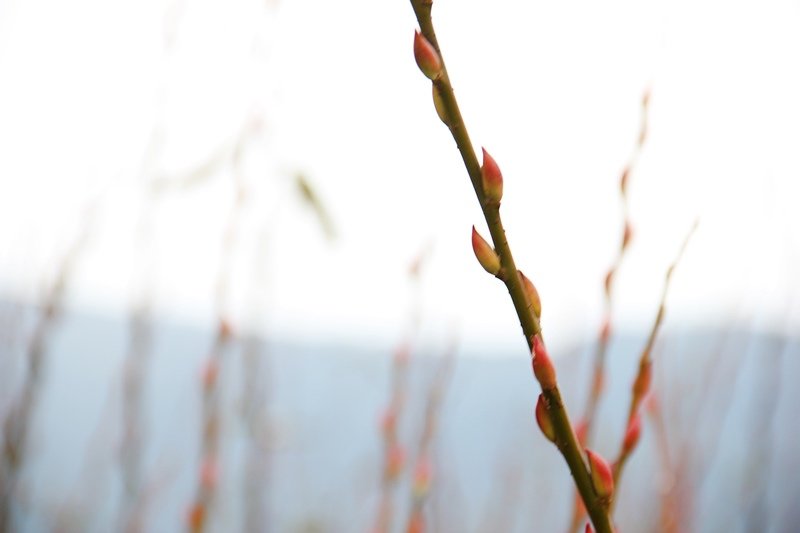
<point>552,89</point>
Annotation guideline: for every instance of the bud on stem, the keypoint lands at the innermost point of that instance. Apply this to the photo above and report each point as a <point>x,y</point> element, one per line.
<point>438,103</point>
<point>632,434</point>
<point>486,255</point>
<point>427,57</point>
<point>543,367</point>
<point>641,385</point>
<point>543,419</point>
<point>602,477</point>
<point>532,293</point>
<point>492,179</point>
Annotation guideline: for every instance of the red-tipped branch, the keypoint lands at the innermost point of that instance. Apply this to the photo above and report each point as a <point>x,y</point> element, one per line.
<point>598,371</point>
<point>565,438</point>
<point>644,377</point>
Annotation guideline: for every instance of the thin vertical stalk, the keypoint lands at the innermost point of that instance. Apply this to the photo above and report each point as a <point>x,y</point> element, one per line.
<point>565,437</point>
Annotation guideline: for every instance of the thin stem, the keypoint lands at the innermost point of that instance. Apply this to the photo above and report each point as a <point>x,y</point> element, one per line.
<point>645,361</point>
<point>565,437</point>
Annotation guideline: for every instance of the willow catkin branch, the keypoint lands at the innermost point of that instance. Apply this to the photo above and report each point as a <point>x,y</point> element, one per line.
<point>206,490</point>
<point>598,371</point>
<point>448,110</point>
<point>393,454</point>
<point>423,469</point>
<point>598,378</point>
<point>16,425</point>
<point>642,381</point>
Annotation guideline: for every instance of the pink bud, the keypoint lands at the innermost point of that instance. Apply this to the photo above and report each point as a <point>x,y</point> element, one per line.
<point>627,234</point>
<point>532,293</point>
<point>581,430</point>
<point>209,474</point>
<point>605,330</point>
<point>416,523</point>
<point>486,255</point>
<point>598,383</point>
<point>609,279</point>
<point>641,385</point>
<point>632,434</point>
<point>422,477</point>
<point>588,528</point>
<point>543,367</point>
<point>623,181</point>
<point>544,420</point>
<point>196,517</point>
<point>389,422</point>
<point>210,373</point>
<point>602,477</point>
<point>492,178</point>
<point>395,460</point>
<point>225,329</point>
<point>427,57</point>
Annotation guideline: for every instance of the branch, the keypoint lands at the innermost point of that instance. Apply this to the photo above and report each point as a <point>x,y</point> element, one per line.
<point>448,110</point>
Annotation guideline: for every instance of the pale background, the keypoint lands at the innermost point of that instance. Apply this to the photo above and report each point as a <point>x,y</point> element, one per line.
<point>551,89</point>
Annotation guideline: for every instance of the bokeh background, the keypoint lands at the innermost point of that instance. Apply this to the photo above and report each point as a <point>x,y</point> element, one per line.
<point>232,232</point>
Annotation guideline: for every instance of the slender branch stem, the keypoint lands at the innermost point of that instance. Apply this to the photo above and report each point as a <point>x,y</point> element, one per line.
<point>565,437</point>
<point>645,361</point>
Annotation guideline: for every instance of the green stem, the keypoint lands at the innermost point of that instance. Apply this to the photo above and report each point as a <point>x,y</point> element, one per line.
<point>565,437</point>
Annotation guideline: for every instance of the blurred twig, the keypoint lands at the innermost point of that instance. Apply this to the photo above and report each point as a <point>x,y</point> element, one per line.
<point>16,427</point>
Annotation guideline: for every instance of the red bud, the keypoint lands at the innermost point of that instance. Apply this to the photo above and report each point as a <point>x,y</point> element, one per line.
<point>422,477</point>
<point>389,422</point>
<point>605,330</point>
<point>210,373</point>
<point>627,233</point>
<point>394,461</point>
<point>602,477</point>
<point>543,367</point>
<point>427,57</point>
<point>623,181</point>
<point>544,420</point>
<point>609,279</point>
<point>225,329</point>
<point>632,434</point>
<point>209,473</point>
<point>581,430</point>
<point>196,516</point>
<point>588,528</point>
<point>416,523</point>
<point>641,386</point>
<point>486,255</point>
<point>532,293</point>
<point>492,178</point>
